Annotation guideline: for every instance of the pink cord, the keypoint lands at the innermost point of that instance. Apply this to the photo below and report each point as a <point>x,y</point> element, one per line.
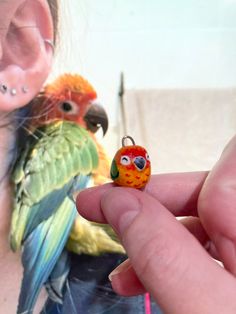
<point>147,304</point>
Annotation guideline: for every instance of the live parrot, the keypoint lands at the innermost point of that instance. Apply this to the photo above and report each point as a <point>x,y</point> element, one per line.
<point>58,157</point>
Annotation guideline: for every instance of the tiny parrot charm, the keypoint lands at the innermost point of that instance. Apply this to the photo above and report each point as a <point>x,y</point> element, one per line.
<point>131,165</point>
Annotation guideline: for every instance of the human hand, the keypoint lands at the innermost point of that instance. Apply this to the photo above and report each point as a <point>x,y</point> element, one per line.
<point>217,206</point>
<point>164,256</point>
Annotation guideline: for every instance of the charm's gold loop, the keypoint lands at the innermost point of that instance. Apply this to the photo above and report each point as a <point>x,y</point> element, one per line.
<point>127,137</point>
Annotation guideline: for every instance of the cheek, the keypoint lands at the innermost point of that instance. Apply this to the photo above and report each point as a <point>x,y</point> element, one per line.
<point>127,168</point>
<point>81,122</point>
<point>76,119</point>
<point>55,114</point>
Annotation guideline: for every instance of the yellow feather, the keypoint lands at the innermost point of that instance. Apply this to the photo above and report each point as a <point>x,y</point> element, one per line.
<point>89,238</point>
<point>101,174</point>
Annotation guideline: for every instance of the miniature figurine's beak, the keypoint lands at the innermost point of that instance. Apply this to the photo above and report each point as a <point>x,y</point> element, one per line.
<point>140,163</point>
<point>95,118</point>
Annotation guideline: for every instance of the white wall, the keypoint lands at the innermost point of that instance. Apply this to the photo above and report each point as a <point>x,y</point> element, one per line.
<point>158,44</point>
<point>184,43</point>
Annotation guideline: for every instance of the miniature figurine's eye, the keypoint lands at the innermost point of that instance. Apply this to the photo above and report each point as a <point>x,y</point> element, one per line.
<point>147,157</point>
<point>69,107</point>
<point>125,160</point>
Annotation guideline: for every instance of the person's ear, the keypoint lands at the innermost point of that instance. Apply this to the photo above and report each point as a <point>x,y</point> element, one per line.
<point>25,53</point>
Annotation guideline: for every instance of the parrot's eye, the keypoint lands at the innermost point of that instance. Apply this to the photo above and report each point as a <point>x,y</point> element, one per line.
<point>147,157</point>
<point>125,160</point>
<point>69,107</point>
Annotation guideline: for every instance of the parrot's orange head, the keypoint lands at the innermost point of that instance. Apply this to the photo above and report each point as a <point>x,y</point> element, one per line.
<point>70,97</point>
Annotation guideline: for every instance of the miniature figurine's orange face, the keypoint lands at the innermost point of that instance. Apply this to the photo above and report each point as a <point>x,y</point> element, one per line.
<point>131,166</point>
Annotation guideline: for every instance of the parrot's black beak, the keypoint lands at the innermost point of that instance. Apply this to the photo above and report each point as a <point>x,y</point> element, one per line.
<point>140,163</point>
<point>96,118</point>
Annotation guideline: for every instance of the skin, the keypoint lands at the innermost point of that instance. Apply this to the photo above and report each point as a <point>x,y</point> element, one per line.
<point>17,69</point>
<point>175,266</point>
<point>172,259</point>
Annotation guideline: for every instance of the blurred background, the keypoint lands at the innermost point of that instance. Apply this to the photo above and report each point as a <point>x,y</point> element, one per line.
<point>178,59</point>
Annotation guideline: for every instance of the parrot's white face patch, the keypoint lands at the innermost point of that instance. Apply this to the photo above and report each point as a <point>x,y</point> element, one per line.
<point>69,107</point>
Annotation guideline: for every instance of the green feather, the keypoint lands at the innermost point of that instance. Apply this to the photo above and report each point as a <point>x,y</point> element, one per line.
<point>53,155</point>
<point>114,170</point>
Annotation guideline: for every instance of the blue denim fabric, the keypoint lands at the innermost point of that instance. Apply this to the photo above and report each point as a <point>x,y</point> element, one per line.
<point>88,290</point>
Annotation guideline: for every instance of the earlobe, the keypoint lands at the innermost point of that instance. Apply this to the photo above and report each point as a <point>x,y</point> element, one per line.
<point>26,53</point>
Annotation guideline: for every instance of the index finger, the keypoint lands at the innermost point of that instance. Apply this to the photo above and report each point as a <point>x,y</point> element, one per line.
<point>177,191</point>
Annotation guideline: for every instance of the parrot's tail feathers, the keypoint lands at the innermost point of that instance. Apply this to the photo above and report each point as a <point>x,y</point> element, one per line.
<point>56,282</point>
<point>51,307</point>
<point>69,306</point>
<point>41,251</point>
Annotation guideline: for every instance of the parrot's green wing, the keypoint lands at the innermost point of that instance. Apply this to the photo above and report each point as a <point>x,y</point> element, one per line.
<point>114,170</point>
<point>44,173</point>
<point>54,158</point>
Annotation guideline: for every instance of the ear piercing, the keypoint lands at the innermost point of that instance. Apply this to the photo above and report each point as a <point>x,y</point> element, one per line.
<point>24,89</point>
<point>50,43</point>
<point>3,88</point>
<point>13,91</point>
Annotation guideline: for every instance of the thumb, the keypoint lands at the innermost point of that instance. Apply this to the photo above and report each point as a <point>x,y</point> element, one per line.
<point>168,260</point>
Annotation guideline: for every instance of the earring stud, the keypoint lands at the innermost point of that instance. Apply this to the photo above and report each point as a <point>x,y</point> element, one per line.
<point>24,89</point>
<point>3,88</point>
<point>50,43</point>
<point>13,92</point>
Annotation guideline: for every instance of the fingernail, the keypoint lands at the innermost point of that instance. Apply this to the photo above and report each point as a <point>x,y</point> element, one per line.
<point>120,208</point>
<point>123,267</point>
